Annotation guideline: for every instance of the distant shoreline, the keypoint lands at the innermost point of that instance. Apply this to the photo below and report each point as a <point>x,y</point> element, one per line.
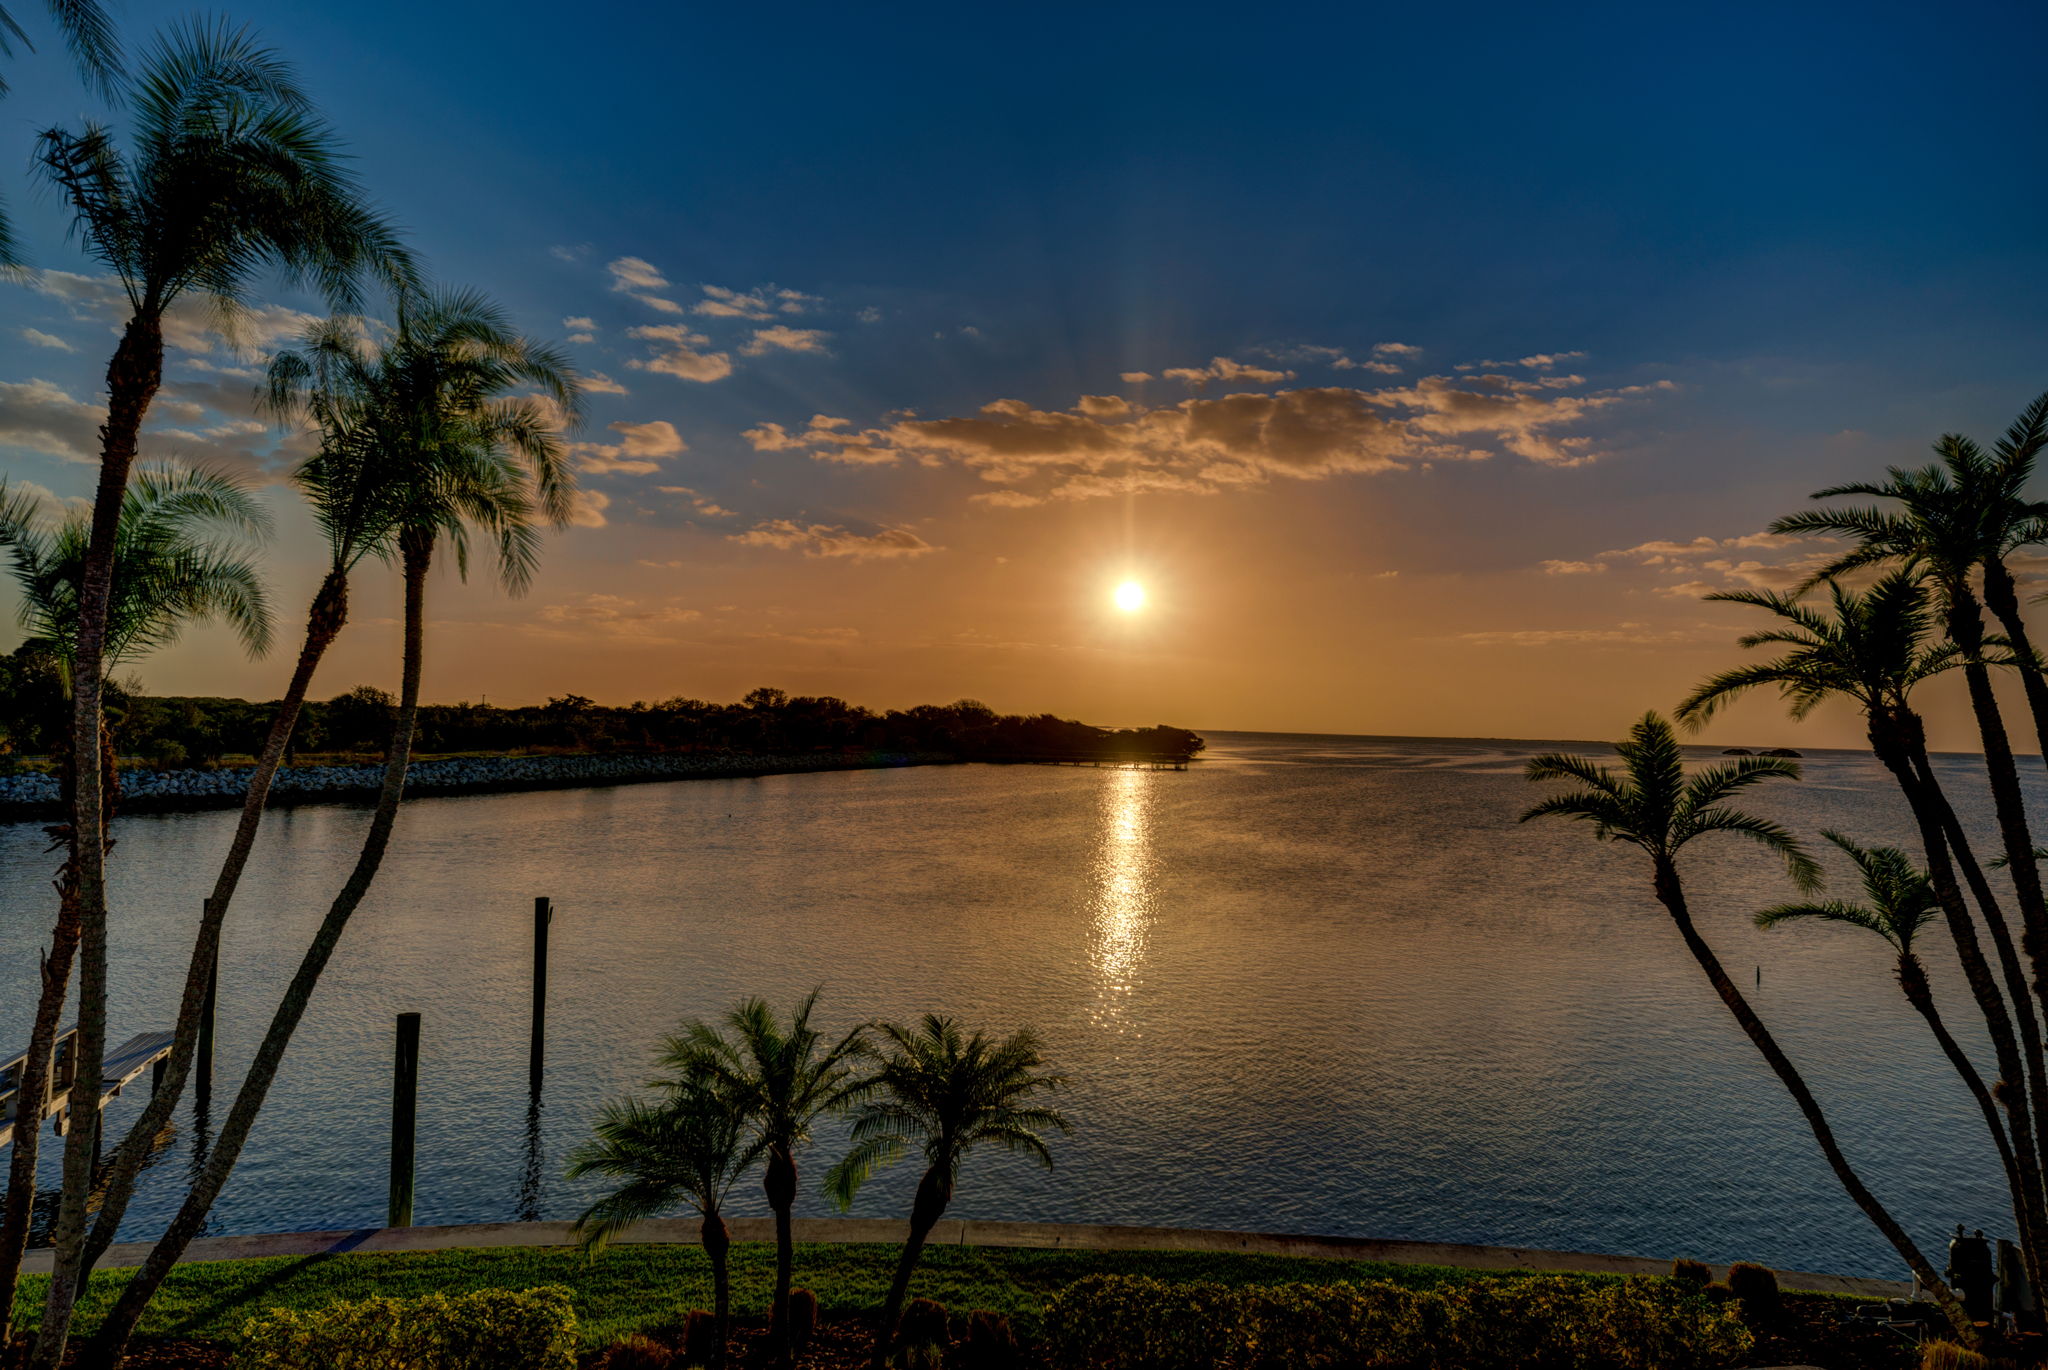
<point>33,798</point>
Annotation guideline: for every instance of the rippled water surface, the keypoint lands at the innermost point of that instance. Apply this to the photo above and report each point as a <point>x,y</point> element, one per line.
<point>1314,984</point>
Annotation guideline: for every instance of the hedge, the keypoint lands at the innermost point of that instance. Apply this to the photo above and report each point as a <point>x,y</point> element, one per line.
<point>491,1329</point>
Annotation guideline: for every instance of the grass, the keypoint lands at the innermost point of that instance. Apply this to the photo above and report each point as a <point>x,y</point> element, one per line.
<point>629,1287</point>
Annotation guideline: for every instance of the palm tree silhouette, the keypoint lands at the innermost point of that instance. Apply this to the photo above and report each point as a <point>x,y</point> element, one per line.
<point>1871,648</point>
<point>229,175</point>
<point>1653,805</point>
<point>787,1077</point>
<point>432,417</point>
<point>88,31</point>
<point>685,1150</point>
<point>374,475</point>
<point>181,557</point>
<point>943,1092</point>
<point>1899,901</point>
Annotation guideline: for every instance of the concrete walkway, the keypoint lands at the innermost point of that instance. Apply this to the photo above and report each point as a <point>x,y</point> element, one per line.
<point>965,1232</point>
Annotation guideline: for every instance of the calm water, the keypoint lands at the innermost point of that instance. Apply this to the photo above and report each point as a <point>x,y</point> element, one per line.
<point>1316,984</point>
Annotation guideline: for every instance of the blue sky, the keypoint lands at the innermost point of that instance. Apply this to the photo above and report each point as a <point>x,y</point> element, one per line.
<point>1760,247</point>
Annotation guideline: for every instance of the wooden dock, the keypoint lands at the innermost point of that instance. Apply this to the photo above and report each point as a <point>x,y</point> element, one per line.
<point>124,1063</point>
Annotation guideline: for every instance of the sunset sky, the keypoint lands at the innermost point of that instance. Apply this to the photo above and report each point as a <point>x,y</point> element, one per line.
<point>1424,363</point>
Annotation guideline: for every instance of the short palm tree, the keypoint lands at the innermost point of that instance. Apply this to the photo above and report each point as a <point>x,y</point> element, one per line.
<point>686,1148</point>
<point>943,1092</point>
<point>440,418</point>
<point>1898,902</point>
<point>182,556</point>
<point>1653,805</point>
<point>787,1076</point>
<point>229,176</point>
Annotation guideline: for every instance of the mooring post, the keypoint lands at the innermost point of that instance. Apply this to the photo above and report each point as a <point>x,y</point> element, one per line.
<point>536,1056</point>
<point>202,1063</point>
<point>405,1088</point>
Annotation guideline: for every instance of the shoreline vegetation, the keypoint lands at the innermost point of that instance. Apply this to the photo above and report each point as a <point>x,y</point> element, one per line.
<point>186,753</point>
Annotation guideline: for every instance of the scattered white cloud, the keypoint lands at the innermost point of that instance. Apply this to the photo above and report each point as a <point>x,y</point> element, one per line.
<point>684,357</point>
<point>1574,568</point>
<point>762,302</point>
<point>1224,369</point>
<point>597,383</point>
<point>49,340</point>
<point>617,616</point>
<point>1540,361</point>
<point>703,504</point>
<point>782,338</point>
<point>830,540</point>
<point>640,448</point>
<point>41,417</point>
<point>588,509</point>
<point>1135,377</point>
<point>190,325</point>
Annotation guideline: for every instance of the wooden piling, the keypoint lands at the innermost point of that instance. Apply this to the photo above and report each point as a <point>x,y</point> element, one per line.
<point>405,1084</point>
<point>536,1055</point>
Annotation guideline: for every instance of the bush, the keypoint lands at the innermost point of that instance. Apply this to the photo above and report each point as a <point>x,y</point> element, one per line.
<point>700,1338</point>
<point>1694,1273</point>
<point>637,1353</point>
<point>803,1317</point>
<point>991,1344</point>
<point>492,1329</point>
<point>1756,1289</point>
<point>1109,1322</point>
<point>922,1334</point>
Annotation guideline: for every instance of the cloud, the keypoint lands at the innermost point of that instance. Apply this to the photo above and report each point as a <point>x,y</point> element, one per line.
<point>1224,369</point>
<point>1574,568</point>
<point>1540,361</point>
<point>190,325</point>
<point>597,383</point>
<point>1134,377</point>
<point>49,340</point>
<point>588,509</point>
<point>869,314</point>
<point>630,274</point>
<point>701,503</point>
<point>639,449</point>
<point>1623,635</point>
<point>1708,567</point>
<point>830,540</point>
<point>617,616</point>
<point>762,302</point>
<point>41,417</point>
<point>683,358</point>
<point>580,323</point>
<point>1108,445</point>
<point>782,338</point>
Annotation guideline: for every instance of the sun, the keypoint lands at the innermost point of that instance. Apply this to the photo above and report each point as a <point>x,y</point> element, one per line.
<point>1129,597</point>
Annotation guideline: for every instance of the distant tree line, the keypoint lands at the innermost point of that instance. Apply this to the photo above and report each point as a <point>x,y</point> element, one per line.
<point>202,731</point>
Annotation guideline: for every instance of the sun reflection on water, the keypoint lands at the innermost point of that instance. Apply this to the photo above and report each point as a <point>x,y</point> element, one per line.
<point>1122,899</point>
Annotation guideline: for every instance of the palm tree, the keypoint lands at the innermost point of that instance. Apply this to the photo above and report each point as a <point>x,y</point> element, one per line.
<point>787,1077</point>
<point>945,1093</point>
<point>460,345</point>
<point>89,33</point>
<point>1871,648</point>
<point>687,1149</point>
<point>230,175</point>
<point>1653,805</point>
<point>444,440</point>
<point>181,557</point>
<point>1899,903</point>
<point>1954,518</point>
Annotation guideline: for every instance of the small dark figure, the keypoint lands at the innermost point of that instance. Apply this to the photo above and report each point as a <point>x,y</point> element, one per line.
<point>1972,1274</point>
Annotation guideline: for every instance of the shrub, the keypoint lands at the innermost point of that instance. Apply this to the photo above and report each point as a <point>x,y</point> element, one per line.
<point>922,1334</point>
<point>492,1329</point>
<point>1946,1355</point>
<point>803,1317</point>
<point>637,1353</point>
<point>700,1338</point>
<point>1539,1322</point>
<point>1694,1273</point>
<point>991,1344</point>
<point>1756,1289</point>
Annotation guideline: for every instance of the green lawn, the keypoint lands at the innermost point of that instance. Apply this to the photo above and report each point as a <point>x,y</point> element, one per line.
<point>630,1286</point>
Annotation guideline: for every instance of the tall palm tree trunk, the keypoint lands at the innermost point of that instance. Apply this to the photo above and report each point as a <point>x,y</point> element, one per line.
<point>717,1247</point>
<point>135,1296</point>
<point>132,380</point>
<point>1671,894</point>
<point>1966,629</point>
<point>2001,597</point>
<point>1892,740</point>
<point>324,621</point>
<point>1920,994</point>
<point>934,1192</point>
<point>778,1183</point>
<point>28,1106</point>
